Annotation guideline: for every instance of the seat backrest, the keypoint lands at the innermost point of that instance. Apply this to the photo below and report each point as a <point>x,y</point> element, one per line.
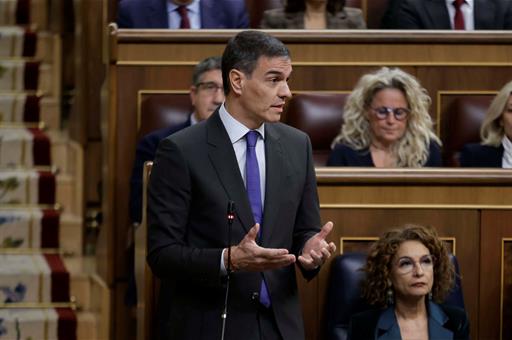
<point>374,12</point>
<point>147,284</point>
<point>320,115</point>
<point>160,110</point>
<point>461,124</point>
<point>255,8</point>
<point>344,293</point>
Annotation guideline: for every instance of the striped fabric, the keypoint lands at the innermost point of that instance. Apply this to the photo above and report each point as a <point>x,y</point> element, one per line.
<point>17,42</point>
<point>41,324</point>
<point>27,187</point>
<point>8,12</point>
<point>18,75</point>
<point>33,278</point>
<point>19,108</point>
<point>30,228</point>
<point>24,148</point>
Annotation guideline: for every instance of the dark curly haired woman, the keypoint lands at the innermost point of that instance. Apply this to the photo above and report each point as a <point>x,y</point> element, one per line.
<point>408,275</point>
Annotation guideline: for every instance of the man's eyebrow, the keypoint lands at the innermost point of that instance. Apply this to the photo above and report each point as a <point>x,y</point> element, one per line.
<point>274,72</point>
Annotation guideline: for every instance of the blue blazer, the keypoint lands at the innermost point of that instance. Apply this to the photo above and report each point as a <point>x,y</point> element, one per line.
<point>153,14</point>
<point>444,323</point>
<point>481,156</point>
<point>146,151</point>
<point>344,155</point>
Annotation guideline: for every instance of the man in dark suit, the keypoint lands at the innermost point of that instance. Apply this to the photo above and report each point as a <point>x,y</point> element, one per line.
<point>165,14</point>
<point>241,154</point>
<point>206,95</point>
<point>440,14</point>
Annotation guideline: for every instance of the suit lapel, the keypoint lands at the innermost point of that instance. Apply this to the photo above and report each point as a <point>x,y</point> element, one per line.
<point>437,319</point>
<point>158,17</point>
<point>484,14</point>
<point>437,14</point>
<point>274,160</point>
<point>208,20</point>
<point>223,158</point>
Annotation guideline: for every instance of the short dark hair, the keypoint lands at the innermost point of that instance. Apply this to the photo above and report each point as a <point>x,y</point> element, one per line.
<point>205,65</point>
<point>243,51</point>
<point>333,6</point>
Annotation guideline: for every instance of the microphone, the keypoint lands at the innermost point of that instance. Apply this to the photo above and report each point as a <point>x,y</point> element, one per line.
<point>230,218</point>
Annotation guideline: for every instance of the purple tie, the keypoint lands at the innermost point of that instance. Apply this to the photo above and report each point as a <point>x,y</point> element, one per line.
<point>252,177</point>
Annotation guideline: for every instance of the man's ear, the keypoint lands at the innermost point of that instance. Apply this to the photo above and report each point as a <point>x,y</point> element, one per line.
<point>193,94</point>
<point>236,79</point>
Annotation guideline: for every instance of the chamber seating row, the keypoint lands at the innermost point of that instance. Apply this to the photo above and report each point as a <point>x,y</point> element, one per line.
<point>320,115</point>
<point>373,10</point>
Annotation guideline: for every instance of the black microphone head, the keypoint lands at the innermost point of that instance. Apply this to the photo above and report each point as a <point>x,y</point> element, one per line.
<point>231,210</point>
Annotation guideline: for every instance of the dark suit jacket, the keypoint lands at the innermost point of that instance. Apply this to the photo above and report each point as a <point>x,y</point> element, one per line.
<point>153,14</point>
<point>444,323</point>
<point>188,229</point>
<point>481,156</point>
<point>344,155</point>
<point>433,14</point>
<point>278,18</point>
<point>146,150</point>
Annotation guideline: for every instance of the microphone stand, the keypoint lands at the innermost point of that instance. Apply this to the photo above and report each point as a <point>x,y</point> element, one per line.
<point>231,218</point>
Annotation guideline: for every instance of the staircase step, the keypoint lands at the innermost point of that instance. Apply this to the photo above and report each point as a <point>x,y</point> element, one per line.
<point>67,155</point>
<point>87,326</point>
<point>20,42</point>
<point>26,148</point>
<point>66,194</point>
<point>21,75</point>
<point>35,278</point>
<point>20,188</point>
<point>70,236</point>
<point>44,323</point>
<point>50,113</point>
<point>80,269</point>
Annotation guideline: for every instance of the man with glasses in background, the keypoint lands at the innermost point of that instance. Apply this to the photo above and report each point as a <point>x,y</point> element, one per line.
<point>206,95</point>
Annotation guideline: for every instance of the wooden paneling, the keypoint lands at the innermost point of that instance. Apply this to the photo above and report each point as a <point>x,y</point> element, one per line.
<point>495,226</point>
<point>506,289</point>
<point>464,204</point>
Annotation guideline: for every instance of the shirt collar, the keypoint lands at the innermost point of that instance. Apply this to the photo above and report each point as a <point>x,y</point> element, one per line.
<point>507,152</point>
<point>466,2</point>
<point>191,7</point>
<point>235,129</point>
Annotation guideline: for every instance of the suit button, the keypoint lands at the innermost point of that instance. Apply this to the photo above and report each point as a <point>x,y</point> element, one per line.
<point>255,296</point>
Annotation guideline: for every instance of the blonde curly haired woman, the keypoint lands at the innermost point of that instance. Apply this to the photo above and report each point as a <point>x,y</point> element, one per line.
<point>387,124</point>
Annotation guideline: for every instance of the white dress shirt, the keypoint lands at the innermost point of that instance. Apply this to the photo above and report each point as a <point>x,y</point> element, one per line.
<point>468,9</point>
<point>506,161</point>
<point>236,132</point>
<point>194,15</point>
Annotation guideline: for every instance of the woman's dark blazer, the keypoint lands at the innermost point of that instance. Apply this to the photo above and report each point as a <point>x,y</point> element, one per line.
<point>348,18</point>
<point>344,155</point>
<point>445,322</point>
<point>481,156</point>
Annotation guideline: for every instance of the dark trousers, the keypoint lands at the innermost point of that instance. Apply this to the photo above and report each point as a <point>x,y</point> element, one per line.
<point>267,324</point>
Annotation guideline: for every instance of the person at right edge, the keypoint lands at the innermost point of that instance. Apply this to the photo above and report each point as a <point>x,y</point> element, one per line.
<point>495,151</point>
<point>241,153</point>
<point>465,15</point>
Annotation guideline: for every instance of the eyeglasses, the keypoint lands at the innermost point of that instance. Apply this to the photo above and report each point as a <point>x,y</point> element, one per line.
<point>383,112</point>
<point>405,264</point>
<point>209,86</point>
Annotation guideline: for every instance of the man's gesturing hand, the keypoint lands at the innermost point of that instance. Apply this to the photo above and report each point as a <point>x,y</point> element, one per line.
<point>316,250</point>
<point>249,256</point>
